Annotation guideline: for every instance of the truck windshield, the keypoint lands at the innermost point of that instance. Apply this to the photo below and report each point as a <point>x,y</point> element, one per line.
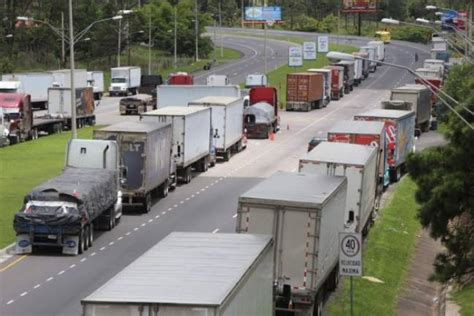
<point>50,208</point>
<point>11,116</point>
<point>118,80</point>
<point>5,90</point>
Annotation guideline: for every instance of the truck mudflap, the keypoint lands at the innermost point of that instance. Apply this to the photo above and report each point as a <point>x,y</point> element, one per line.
<point>23,244</point>
<point>71,245</point>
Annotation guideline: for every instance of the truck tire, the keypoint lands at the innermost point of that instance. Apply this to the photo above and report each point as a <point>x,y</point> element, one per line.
<point>425,127</point>
<point>81,247</point>
<point>164,189</point>
<point>90,238</point>
<point>318,303</point>
<point>147,203</point>
<point>86,237</point>
<point>227,155</point>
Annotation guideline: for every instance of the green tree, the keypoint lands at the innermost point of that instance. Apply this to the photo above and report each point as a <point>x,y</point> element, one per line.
<point>445,179</point>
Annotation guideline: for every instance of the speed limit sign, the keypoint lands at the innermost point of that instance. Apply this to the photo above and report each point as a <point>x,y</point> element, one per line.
<point>350,254</point>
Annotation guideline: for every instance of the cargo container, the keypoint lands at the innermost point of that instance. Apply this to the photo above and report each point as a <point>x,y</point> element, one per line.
<point>181,95</point>
<point>349,74</point>
<point>136,104</point>
<point>145,153</point>
<point>227,123</point>
<point>180,78</point>
<point>365,63</point>
<point>35,84</point>
<point>124,80</point>
<point>218,80</point>
<point>256,80</point>
<point>337,81</point>
<point>430,78</point>
<point>327,73</point>
<point>304,213</point>
<point>304,91</point>
<point>365,133</point>
<point>64,211</point>
<point>358,163</point>
<point>358,65</point>
<point>399,130</point>
<point>192,274</point>
<point>192,143</point>
<point>260,120</point>
<point>414,97</point>
<point>372,51</point>
<point>62,78</point>
<point>436,64</point>
<point>380,50</point>
<point>95,80</point>
<point>59,105</point>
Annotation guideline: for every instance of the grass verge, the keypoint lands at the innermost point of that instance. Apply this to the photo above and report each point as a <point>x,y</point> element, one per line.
<point>24,166</point>
<point>386,256</point>
<point>465,299</point>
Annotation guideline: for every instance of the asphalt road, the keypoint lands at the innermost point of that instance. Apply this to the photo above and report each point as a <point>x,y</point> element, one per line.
<point>48,283</point>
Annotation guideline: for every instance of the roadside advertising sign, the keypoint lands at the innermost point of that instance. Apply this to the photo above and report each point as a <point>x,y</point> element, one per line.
<point>352,6</point>
<point>295,56</point>
<point>263,13</point>
<point>323,44</point>
<point>309,50</point>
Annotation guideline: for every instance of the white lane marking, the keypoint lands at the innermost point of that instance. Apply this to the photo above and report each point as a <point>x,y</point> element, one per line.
<point>49,279</point>
<point>23,294</point>
<point>120,238</point>
<point>143,225</point>
<point>157,216</point>
<point>10,301</point>
<point>176,205</point>
<point>197,192</point>
<point>72,266</point>
<point>207,187</point>
<point>36,286</point>
<point>150,220</point>
<point>187,199</point>
<point>111,243</point>
<point>136,228</point>
<point>192,195</point>
<point>181,202</point>
<point>170,209</point>
<point>234,216</point>
<point>163,213</point>
<point>202,190</point>
<point>93,254</point>
<point>83,259</point>
<point>127,233</point>
<point>102,249</point>
<point>215,230</point>
<point>61,272</point>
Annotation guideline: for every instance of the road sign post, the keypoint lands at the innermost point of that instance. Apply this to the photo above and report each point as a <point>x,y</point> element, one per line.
<point>350,259</point>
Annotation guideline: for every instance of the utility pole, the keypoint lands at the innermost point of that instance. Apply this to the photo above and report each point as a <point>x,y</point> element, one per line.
<point>73,89</point>
<point>63,45</point>
<point>265,48</point>
<point>149,44</point>
<point>243,14</point>
<point>196,25</point>
<point>119,42</point>
<point>175,40</point>
<point>215,40</point>
<point>220,29</point>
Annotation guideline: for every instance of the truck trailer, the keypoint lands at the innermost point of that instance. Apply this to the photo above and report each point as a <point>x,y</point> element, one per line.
<point>358,163</point>
<point>124,80</point>
<point>192,143</point>
<point>181,95</point>
<point>337,81</point>
<point>400,130</point>
<point>327,74</point>
<point>64,211</point>
<point>145,154</point>
<point>260,120</point>
<point>365,63</point>
<point>227,123</point>
<point>59,106</point>
<point>192,274</point>
<point>372,56</point>
<point>62,78</point>
<point>35,84</point>
<point>95,79</point>
<point>380,50</point>
<point>304,213</point>
<point>304,91</point>
<point>349,74</point>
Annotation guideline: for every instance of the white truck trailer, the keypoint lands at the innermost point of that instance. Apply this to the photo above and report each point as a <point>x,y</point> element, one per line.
<point>181,95</point>
<point>35,84</point>
<point>62,78</point>
<point>218,80</point>
<point>124,80</point>
<point>95,79</point>
<point>192,274</point>
<point>227,123</point>
<point>372,51</point>
<point>380,48</point>
<point>304,214</point>
<point>359,164</point>
<point>191,143</point>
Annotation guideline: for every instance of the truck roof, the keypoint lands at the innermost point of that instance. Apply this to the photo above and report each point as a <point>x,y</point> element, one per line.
<point>11,100</point>
<point>318,70</point>
<point>341,153</point>
<point>410,88</point>
<point>390,114</point>
<point>345,62</point>
<point>124,68</point>
<point>135,127</point>
<point>357,127</point>
<point>176,110</point>
<point>294,189</point>
<point>215,100</point>
<point>66,70</point>
<point>434,61</point>
<point>185,268</point>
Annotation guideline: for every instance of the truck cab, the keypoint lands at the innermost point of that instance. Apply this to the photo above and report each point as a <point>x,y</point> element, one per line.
<point>180,78</point>
<point>17,112</point>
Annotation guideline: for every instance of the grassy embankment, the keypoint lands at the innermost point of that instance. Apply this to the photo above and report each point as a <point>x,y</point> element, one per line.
<point>465,299</point>
<point>24,166</point>
<point>386,256</point>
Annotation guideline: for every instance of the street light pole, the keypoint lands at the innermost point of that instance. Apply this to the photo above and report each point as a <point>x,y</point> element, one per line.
<point>196,25</point>
<point>119,42</point>
<point>175,63</point>
<point>149,44</point>
<point>63,44</point>
<point>220,29</point>
<point>73,89</point>
<point>265,48</point>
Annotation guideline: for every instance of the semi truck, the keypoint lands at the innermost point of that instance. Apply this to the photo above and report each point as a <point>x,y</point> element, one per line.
<point>181,95</point>
<point>95,79</point>
<point>358,163</point>
<point>365,133</point>
<point>337,81</point>
<point>260,120</point>
<point>64,211</point>
<point>268,95</point>
<point>35,84</point>
<point>62,78</point>
<point>136,104</point>
<point>365,63</point>
<point>192,274</point>
<point>327,74</point>
<point>304,213</point>
<point>191,142</point>
<point>349,74</point>
<point>304,91</point>
<point>124,80</point>
<point>227,123</point>
<point>180,78</point>
<point>145,154</point>
<point>380,50</point>
<point>59,106</point>
<point>399,130</point>
<point>358,71</point>
<point>372,56</point>
<point>412,97</point>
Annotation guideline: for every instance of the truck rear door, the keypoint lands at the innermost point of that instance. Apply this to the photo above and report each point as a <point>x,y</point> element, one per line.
<point>133,156</point>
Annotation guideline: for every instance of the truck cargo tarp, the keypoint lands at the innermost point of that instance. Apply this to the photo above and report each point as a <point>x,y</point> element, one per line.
<point>94,190</point>
<point>262,111</point>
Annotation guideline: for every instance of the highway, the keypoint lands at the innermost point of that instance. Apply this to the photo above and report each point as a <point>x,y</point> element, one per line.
<point>48,283</point>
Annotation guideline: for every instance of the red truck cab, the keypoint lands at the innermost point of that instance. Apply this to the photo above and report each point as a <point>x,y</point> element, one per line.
<point>180,78</point>
<point>18,115</point>
<point>264,94</point>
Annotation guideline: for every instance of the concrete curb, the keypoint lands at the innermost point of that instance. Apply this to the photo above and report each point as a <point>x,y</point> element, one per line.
<point>8,250</point>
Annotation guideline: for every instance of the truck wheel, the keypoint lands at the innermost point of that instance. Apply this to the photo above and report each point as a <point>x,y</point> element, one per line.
<point>86,237</point>
<point>82,241</point>
<point>227,155</point>
<point>147,203</point>
<point>90,240</point>
<point>318,304</point>
<point>164,189</point>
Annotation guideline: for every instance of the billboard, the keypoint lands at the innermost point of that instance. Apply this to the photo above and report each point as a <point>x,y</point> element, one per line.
<point>309,50</point>
<point>323,44</point>
<point>263,14</point>
<point>295,56</point>
<point>349,6</point>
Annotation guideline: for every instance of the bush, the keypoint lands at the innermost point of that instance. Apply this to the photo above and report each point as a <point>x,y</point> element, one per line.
<point>411,34</point>
<point>307,24</point>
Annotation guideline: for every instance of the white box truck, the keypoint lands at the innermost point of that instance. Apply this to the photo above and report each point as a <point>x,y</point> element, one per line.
<point>304,214</point>
<point>62,78</point>
<point>372,51</point>
<point>380,47</point>
<point>124,80</point>
<point>191,144</point>
<point>35,84</point>
<point>227,123</point>
<point>95,79</point>
<point>218,80</point>
<point>359,164</point>
<point>256,80</point>
<point>192,274</point>
<point>181,95</point>
<point>358,71</point>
